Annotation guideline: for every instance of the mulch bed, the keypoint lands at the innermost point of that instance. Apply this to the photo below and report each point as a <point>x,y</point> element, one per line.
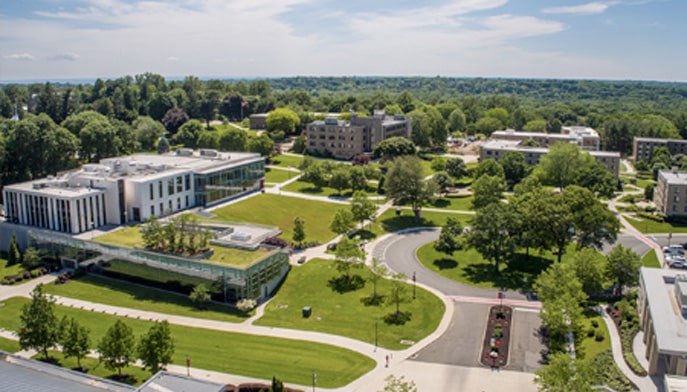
<point>497,337</point>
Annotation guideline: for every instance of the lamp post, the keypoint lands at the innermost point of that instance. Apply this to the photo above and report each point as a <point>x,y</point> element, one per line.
<point>414,284</point>
<point>376,329</point>
<point>314,379</point>
<point>188,366</point>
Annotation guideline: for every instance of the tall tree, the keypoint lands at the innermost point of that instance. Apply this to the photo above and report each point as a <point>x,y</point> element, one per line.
<point>489,167</point>
<point>405,182</point>
<point>514,167</point>
<point>487,190</point>
<point>233,140</point>
<point>261,144</point>
<point>148,132</point>
<point>561,294</point>
<point>377,271</point>
<point>348,254</point>
<point>340,179</point>
<point>559,166</point>
<point>456,168</point>
<point>593,223</point>
<point>393,147</point>
<point>156,347</point>
<point>448,241</point>
<point>342,221</point>
<point>298,230</point>
<point>565,374</point>
<point>39,325</point>
<point>13,255</point>
<point>75,339</point>
<point>590,268</point>
<point>362,208</point>
<point>282,119</point>
<point>117,347</point>
<point>623,266</point>
<point>492,233</point>
<point>174,119</point>
<point>398,294</point>
<point>200,296</point>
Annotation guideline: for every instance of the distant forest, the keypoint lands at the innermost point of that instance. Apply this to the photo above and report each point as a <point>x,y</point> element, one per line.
<point>62,125</point>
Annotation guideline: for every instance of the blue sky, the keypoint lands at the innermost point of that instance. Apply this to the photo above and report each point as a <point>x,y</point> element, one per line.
<point>609,39</point>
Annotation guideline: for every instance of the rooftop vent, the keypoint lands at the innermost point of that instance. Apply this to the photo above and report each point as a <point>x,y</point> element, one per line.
<point>206,152</point>
<point>330,121</point>
<point>184,152</point>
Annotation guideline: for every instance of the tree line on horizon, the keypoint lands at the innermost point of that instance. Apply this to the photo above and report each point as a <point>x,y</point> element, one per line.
<point>63,125</point>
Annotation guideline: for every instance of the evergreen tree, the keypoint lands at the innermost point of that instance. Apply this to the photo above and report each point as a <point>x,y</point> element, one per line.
<point>13,256</point>
<point>298,230</point>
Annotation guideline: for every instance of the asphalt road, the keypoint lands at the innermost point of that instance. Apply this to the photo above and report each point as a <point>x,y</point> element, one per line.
<point>526,347</point>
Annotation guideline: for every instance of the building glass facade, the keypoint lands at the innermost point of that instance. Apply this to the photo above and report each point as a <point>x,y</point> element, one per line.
<point>222,185</point>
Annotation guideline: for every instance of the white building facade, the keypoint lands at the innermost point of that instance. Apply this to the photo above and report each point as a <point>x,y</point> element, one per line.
<point>133,188</point>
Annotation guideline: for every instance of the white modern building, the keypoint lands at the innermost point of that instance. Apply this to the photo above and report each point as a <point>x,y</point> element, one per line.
<point>133,188</point>
<point>587,138</point>
<point>662,307</point>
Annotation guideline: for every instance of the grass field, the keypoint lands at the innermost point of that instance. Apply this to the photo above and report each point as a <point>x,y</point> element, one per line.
<point>11,346</point>
<point>469,267</point>
<point>11,270</point>
<point>262,357</point>
<point>590,347</point>
<point>126,236</point>
<point>286,161</point>
<point>650,259</point>
<point>236,257</point>
<point>389,222</point>
<point>280,211</point>
<point>650,226</point>
<point>459,203</point>
<point>309,189</point>
<point>277,175</point>
<point>128,295</point>
<point>345,314</point>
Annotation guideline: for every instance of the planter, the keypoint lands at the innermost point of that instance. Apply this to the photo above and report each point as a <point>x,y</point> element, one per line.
<point>497,337</point>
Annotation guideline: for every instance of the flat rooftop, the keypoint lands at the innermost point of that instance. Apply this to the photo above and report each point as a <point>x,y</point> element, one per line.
<point>669,325</point>
<point>674,177</point>
<point>515,145</point>
<point>20,374</point>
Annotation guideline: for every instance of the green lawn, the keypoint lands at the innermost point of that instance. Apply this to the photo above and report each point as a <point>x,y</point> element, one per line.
<point>650,259</point>
<point>345,314</point>
<point>469,267</point>
<point>286,161</point>
<point>137,375</point>
<point>309,189</point>
<point>459,203</point>
<point>262,357</point>
<point>651,226</point>
<point>280,211</point>
<point>11,346</point>
<point>236,257</point>
<point>128,237</point>
<point>389,222</point>
<point>118,293</point>
<point>11,270</point>
<point>589,346</point>
<point>278,175</point>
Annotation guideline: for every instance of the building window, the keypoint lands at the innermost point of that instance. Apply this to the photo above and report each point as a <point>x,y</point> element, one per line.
<point>187,180</point>
<point>170,206</point>
<point>151,189</point>
<point>178,203</point>
<point>159,186</point>
<point>170,186</point>
<point>180,185</point>
<point>162,209</point>
<point>186,206</point>
<point>152,210</point>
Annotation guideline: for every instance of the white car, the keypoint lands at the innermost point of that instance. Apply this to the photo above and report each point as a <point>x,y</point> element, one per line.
<point>674,249</point>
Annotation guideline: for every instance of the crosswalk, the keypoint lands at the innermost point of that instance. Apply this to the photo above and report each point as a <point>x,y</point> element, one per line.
<point>496,301</point>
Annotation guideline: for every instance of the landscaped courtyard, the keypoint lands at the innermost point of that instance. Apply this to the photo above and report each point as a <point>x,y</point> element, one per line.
<point>346,314</point>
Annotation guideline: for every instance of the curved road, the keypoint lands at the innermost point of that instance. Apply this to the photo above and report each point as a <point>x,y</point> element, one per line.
<point>399,254</point>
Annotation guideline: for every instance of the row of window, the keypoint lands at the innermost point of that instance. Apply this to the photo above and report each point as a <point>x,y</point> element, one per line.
<point>178,184</point>
<point>56,214</point>
<point>170,205</point>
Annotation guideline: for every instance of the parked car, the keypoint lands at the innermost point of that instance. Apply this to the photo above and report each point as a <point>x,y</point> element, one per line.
<point>301,260</point>
<point>678,264</point>
<point>674,249</point>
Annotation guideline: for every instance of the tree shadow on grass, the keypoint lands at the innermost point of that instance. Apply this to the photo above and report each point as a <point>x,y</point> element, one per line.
<point>346,283</point>
<point>373,300</point>
<point>519,274</point>
<point>403,222</point>
<point>363,234</point>
<point>445,263</point>
<point>440,203</point>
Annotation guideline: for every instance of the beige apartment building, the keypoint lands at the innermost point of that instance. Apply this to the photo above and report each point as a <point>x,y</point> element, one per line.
<point>670,195</point>
<point>662,307</point>
<point>643,147</point>
<point>586,138</point>
<point>344,140</point>
<point>495,149</point>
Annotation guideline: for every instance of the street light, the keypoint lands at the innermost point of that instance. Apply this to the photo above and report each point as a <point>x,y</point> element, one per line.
<point>314,379</point>
<point>376,329</point>
<point>414,284</point>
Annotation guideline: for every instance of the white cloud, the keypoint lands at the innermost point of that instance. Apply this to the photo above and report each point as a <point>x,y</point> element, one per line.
<point>19,57</point>
<point>581,9</point>
<point>65,57</point>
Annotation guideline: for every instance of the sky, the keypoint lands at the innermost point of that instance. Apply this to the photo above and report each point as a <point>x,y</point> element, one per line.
<point>82,39</point>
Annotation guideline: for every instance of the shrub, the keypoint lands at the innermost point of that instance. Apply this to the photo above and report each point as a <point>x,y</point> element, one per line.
<point>599,336</point>
<point>246,305</point>
<point>276,241</point>
<point>590,332</point>
<point>595,323</point>
<point>27,274</point>
<point>397,318</point>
